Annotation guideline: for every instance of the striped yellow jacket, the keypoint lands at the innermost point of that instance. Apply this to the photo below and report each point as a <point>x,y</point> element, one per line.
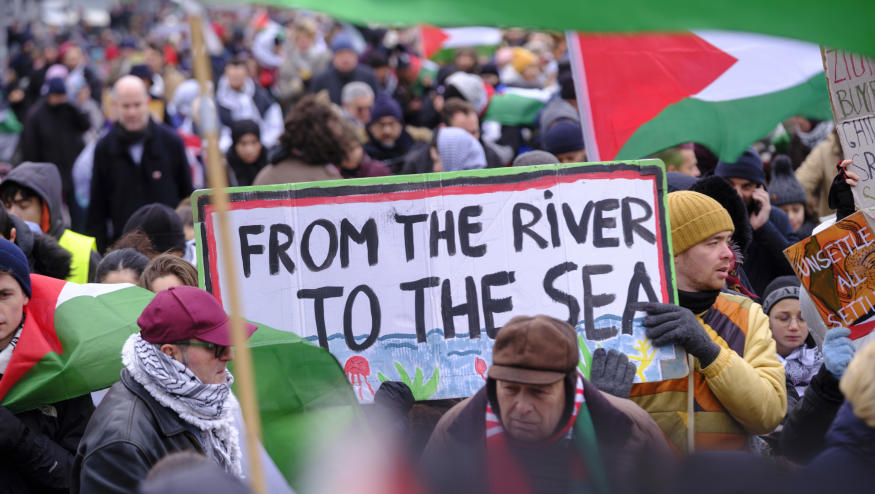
<point>740,393</point>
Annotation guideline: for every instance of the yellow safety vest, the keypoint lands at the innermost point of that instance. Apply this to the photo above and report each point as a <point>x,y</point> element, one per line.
<point>80,246</point>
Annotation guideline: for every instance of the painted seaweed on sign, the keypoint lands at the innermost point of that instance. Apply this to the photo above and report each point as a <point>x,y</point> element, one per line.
<point>408,278</point>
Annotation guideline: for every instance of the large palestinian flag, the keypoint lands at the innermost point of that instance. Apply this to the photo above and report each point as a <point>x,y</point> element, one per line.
<point>71,342</point>
<point>642,93</point>
<point>71,345</point>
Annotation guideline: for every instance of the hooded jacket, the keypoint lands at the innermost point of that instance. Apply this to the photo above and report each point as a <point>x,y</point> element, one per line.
<point>45,180</point>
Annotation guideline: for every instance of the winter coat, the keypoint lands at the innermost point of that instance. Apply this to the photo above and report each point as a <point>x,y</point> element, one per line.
<point>368,167</point>
<point>43,457</point>
<point>333,81</point>
<point>817,171</point>
<point>55,135</point>
<point>848,463</point>
<point>454,460</point>
<point>128,433</point>
<point>46,437</point>
<point>42,179</point>
<point>252,102</point>
<point>764,260</point>
<point>291,170</point>
<point>804,431</point>
<point>119,186</point>
<point>742,392</point>
<point>44,255</point>
<point>394,157</point>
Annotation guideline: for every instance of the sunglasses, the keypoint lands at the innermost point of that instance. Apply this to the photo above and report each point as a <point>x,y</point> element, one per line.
<point>218,350</point>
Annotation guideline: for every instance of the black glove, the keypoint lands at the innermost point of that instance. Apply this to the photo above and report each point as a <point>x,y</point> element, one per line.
<point>672,324</point>
<point>11,430</point>
<point>612,372</point>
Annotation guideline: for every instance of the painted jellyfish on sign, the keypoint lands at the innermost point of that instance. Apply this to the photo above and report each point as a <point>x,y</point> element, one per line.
<point>357,371</point>
<point>480,367</point>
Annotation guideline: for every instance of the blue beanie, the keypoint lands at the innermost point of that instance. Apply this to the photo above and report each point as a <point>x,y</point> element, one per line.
<point>13,261</point>
<point>56,85</point>
<point>385,106</point>
<point>748,166</point>
<point>342,41</point>
<point>564,137</point>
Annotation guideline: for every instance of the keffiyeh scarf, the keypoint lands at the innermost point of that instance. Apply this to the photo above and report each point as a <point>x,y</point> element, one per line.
<point>801,366</point>
<point>208,407</point>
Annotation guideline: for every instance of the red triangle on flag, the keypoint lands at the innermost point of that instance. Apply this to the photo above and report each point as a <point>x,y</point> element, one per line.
<point>38,335</point>
<point>432,39</point>
<point>631,78</point>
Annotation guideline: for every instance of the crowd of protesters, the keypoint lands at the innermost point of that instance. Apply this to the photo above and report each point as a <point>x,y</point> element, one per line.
<point>101,148</point>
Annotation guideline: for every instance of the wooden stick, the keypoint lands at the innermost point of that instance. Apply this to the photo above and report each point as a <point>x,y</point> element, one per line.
<point>218,182</point>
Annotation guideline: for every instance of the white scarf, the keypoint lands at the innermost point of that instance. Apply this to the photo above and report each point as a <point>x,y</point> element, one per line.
<point>6,353</point>
<point>208,407</point>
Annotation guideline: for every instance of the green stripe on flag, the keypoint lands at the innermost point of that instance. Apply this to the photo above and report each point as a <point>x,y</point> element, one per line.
<point>513,109</point>
<point>840,23</point>
<point>304,398</point>
<point>92,331</point>
<point>446,55</point>
<point>727,127</point>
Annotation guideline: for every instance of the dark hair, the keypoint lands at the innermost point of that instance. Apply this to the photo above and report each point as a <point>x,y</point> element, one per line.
<point>8,189</point>
<point>119,260</point>
<point>6,224</point>
<point>313,131</point>
<point>167,264</point>
<point>453,106</point>
<point>137,240</point>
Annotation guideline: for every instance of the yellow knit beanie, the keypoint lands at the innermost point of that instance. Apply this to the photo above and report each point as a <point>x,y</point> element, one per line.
<point>522,58</point>
<point>694,217</point>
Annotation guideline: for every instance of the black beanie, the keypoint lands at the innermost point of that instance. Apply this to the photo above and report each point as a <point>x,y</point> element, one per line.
<point>784,188</point>
<point>780,288</point>
<point>161,224</point>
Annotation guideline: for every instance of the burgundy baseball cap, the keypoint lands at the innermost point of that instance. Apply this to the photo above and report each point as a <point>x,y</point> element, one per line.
<point>183,312</point>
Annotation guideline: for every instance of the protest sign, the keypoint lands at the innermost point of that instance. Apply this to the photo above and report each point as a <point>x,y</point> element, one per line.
<point>835,267</point>
<point>851,81</point>
<point>409,277</point>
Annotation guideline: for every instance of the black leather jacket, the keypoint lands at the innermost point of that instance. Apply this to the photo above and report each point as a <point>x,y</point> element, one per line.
<point>128,433</point>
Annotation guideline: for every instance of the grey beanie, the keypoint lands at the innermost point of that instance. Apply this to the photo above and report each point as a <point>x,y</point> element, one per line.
<point>459,150</point>
<point>784,188</point>
<point>536,157</point>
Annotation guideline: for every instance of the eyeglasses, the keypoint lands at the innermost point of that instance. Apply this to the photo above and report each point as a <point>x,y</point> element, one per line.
<point>218,350</point>
<point>787,319</point>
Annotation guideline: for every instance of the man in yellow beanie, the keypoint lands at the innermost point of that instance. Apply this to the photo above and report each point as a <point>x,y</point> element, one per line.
<point>737,378</point>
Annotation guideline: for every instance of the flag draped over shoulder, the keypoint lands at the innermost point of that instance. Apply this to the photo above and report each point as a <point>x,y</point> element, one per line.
<point>71,342</point>
<point>642,93</point>
<point>71,345</point>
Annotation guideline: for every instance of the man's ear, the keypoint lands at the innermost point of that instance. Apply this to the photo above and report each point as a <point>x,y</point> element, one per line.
<point>170,350</point>
<point>12,234</point>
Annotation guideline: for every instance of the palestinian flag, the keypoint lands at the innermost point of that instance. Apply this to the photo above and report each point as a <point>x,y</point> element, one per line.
<point>71,342</point>
<point>440,44</point>
<point>71,345</point>
<point>516,106</point>
<point>642,93</point>
<point>304,398</point>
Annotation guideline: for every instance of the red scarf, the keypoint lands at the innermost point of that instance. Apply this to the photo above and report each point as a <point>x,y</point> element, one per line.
<point>505,475</point>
